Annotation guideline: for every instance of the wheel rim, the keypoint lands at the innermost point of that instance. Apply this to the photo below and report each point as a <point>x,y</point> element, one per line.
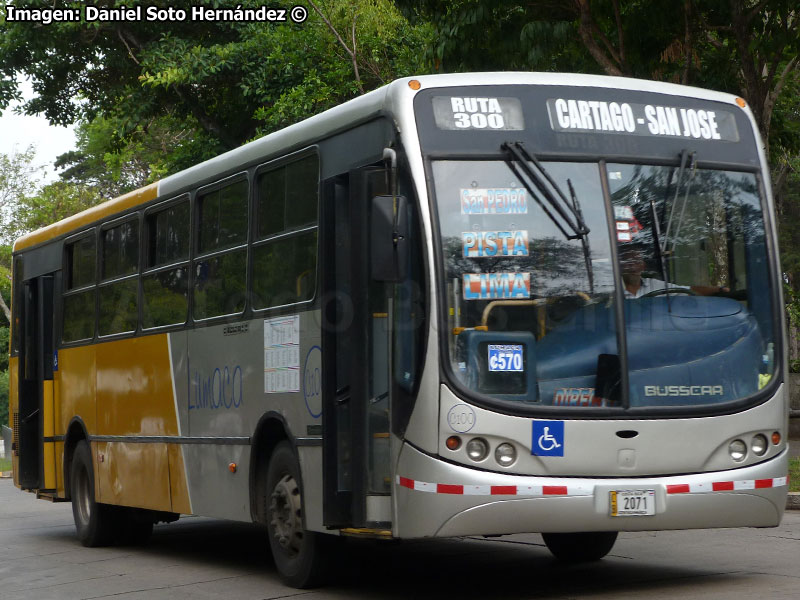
<point>81,498</point>
<point>286,516</point>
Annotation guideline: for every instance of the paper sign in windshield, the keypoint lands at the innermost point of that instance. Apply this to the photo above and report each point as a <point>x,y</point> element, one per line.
<point>505,357</point>
<point>494,201</point>
<point>484,244</point>
<point>497,286</point>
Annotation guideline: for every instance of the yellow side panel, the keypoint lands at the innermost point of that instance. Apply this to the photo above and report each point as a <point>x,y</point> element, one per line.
<point>133,474</point>
<point>13,406</point>
<point>48,426</point>
<point>13,386</point>
<point>60,470</point>
<point>134,388</point>
<point>177,481</point>
<point>75,386</point>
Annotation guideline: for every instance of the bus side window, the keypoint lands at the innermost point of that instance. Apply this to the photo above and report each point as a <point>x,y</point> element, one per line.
<point>79,292</point>
<point>165,285</point>
<point>120,283</point>
<point>285,253</point>
<point>221,270</point>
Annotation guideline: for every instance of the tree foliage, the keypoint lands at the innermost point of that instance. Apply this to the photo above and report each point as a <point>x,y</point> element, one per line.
<point>154,98</point>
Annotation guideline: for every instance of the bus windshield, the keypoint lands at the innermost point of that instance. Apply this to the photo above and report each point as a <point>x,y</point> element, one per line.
<point>534,286</point>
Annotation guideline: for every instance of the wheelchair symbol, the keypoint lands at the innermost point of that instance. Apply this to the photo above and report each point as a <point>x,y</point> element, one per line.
<point>547,442</point>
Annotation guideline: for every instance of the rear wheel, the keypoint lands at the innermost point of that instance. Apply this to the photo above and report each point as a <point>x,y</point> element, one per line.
<point>298,553</point>
<point>580,547</point>
<point>96,523</point>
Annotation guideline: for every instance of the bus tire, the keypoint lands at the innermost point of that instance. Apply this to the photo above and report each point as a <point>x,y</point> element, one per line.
<point>298,553</point>
<point>580,547</point>
<point>95,523</point>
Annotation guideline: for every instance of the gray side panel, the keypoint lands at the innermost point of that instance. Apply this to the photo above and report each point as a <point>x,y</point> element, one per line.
<point>221,392</point>
<point>355,148</point>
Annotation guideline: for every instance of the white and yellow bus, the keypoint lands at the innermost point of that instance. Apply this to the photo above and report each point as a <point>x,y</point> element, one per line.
<point>457,305</point>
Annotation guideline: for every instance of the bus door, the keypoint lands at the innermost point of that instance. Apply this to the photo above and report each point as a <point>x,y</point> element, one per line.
<point>356,359</point>
<point>37,465</point>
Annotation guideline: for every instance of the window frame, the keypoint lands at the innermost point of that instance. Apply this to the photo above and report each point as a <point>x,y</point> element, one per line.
<point>147,270</point>
<point>66,292</point>
<point>195,256</point>
<point>262,241</point>
<point>135,216</point>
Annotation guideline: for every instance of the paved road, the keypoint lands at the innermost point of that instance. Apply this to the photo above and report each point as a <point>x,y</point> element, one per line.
<point>205,559</point>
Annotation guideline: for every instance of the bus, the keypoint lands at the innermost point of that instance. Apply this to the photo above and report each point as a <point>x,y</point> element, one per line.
<point>462,304</point>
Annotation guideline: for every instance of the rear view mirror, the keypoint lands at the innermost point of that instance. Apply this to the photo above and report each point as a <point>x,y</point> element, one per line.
<point>389,238</point>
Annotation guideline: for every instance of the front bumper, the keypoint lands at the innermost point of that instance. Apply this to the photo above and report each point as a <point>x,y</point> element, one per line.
<point>434,498</point>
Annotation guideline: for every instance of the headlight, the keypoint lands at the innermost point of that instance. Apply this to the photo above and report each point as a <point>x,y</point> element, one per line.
<point>477,449</point>
<point>759,445</point>
<point>505,455</point>
<point>738,450</point>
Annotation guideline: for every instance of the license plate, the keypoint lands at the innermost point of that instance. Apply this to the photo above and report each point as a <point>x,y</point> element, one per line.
<point>633,503</point>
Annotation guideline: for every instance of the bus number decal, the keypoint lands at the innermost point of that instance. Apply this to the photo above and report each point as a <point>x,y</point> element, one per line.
<point>461,418</point>
<point>480,244</point>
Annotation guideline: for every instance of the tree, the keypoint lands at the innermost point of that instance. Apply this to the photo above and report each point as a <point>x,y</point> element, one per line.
<point>739,46</point>
<point>232,81</point>
<point>18,176</point>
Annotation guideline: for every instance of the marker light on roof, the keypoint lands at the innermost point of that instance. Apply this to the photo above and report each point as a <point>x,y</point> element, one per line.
<point>414,84</point>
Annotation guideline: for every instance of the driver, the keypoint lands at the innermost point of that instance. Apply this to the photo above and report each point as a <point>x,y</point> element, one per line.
<point>632,264</point>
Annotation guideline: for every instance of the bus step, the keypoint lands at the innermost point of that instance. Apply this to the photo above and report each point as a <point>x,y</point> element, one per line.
<point>381,534</point>
<point>48,495</point>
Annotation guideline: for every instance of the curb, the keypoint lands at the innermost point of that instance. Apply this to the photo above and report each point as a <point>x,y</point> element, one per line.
<point>793,501</point>
<point>6,474</point>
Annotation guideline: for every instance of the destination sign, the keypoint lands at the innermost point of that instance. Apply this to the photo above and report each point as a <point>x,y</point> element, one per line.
<point>483,244</point>
<point>477,112</point>
<point>494,201</point>
<point>652,120</point>
<point>497,286</point>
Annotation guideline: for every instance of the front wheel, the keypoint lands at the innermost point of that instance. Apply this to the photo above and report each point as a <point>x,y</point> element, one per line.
<point>96,523</point>
<point>580,547</point>
<point>298,553</point>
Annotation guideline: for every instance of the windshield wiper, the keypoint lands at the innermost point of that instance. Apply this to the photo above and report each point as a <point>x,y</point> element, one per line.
<point>573,227</point>
<point>660,243</point>
<point>692,165</point>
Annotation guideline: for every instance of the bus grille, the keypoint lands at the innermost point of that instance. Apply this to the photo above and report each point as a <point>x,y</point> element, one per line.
<point>15,434</point>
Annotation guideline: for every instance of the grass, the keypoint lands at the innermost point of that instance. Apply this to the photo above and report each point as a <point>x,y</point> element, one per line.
<point>794,474</point>
<point>5,464</point>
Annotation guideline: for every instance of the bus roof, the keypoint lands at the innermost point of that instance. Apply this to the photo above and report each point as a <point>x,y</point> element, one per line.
<point>385,100</point>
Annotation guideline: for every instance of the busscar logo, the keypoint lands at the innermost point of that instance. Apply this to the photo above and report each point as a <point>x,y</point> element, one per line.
<point>683,390</point>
